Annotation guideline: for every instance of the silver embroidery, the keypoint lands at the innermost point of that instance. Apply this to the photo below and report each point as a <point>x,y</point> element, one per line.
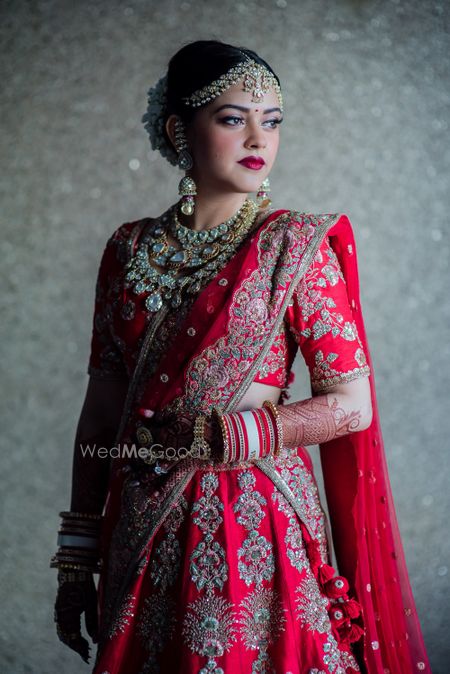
<point>261,617</point>
<point>208,626</point>
<point>157,619</point>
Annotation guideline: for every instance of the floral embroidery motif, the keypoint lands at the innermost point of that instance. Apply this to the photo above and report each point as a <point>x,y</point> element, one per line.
<point>332,657</point>
<point>274,367</point>
<point>295,548</point>
<point>157,619</point>
<point>311,605</point>
<point>318,312</point>
<point>261,611</point>
<point>208,627</point>
<point>156,626</point>
<point>303,489</point>
<point>124,616</point>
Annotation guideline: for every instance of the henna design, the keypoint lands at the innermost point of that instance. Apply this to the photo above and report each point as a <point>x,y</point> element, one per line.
<point>314,420</point>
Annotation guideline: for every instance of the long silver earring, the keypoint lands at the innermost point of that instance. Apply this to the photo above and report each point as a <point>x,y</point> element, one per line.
<point>262,198</point>
<point>187,188</point>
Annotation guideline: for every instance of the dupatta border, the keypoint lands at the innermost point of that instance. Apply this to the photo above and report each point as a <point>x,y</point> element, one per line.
<point>311,249</point>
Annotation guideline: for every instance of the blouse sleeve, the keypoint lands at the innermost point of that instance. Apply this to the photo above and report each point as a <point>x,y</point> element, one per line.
<point>321,322</point>
<point>106,359</point>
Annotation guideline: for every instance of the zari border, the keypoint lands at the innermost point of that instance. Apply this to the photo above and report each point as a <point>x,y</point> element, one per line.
<point>181,482</point>
<point>307,257</point>
<point>267,466</point>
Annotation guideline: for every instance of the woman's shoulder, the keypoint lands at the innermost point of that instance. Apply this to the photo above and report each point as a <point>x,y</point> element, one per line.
<point>125,234</point>
<point>312,218</point>
<point>315,225</point>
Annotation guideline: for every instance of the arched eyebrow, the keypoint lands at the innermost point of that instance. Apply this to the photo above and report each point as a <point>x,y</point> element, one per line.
<point>244,109</point>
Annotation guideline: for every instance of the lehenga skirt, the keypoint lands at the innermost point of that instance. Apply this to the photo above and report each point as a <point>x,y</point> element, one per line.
<point>224,570</point>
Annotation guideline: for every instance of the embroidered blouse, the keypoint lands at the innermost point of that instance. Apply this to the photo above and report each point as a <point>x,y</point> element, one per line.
<point>318,320</point>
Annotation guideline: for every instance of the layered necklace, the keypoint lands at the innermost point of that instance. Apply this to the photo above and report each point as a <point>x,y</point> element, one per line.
<point>201,255</point>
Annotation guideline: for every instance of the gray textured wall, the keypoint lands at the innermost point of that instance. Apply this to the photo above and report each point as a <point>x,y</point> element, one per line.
<point>366,133</point>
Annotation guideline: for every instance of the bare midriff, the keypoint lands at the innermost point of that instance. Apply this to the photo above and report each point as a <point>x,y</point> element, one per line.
<point>256,394</point>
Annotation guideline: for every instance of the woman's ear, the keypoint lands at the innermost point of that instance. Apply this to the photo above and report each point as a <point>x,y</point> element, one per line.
<point>170,129</point>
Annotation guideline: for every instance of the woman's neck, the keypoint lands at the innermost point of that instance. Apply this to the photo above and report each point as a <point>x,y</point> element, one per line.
<point>212,210</point>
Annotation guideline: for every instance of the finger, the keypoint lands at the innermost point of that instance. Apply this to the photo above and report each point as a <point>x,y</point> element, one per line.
<point>75,641</point>
<point>81,647</point>
<point>91,618</point>
<point>146,412</point>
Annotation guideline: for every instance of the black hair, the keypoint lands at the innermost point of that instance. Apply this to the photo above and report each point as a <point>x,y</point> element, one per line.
<point>197,64</point>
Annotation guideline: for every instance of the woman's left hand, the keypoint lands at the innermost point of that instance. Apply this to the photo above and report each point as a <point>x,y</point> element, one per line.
<point>172,433</point>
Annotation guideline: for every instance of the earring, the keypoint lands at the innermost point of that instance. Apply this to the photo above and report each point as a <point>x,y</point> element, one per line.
<point>262,198</point>
<point>187,188</point>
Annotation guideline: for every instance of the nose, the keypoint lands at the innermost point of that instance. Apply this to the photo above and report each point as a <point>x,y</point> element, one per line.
<point>255,135</point>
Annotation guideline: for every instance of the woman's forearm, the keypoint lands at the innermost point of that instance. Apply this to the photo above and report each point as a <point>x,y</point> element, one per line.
<point>97,428</point>
<point>90,472</point>
<point>323,418</point>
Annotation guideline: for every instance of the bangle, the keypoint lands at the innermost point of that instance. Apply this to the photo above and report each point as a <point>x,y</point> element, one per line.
<point>249,435</point>
<point>225,435</point>
<point>72,566</point>
<point>78,541</point>
<point>268,404</point>
<point>199,444</point>
<point>68,514</point>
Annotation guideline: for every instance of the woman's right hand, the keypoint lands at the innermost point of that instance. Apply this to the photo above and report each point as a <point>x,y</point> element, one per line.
<point>76,595</point>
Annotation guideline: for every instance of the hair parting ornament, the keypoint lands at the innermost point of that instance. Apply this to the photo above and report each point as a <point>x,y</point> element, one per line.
<point>257,80</point>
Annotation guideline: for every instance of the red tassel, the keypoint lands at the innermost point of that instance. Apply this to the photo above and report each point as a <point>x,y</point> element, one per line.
<point>350,633</point>
<point>325,573</point>
<point>336,587</point>
<point>352,608</point>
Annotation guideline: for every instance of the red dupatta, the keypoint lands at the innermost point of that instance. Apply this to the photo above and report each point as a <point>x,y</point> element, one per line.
<point>366,535</point>
<point>214,360</point>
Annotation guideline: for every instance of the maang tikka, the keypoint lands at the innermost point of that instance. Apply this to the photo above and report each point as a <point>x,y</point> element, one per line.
<point>187,188</point>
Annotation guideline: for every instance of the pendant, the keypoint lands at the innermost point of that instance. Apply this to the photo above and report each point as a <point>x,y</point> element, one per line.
<point>154,302</point>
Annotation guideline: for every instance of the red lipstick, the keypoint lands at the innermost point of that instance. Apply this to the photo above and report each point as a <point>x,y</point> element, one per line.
<point>252,162</point>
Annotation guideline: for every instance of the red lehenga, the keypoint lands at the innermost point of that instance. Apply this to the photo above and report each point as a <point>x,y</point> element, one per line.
<point>214,568</point>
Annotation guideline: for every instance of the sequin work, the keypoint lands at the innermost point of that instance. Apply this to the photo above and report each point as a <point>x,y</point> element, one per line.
<point>211,569</point>
<point>228,579</point>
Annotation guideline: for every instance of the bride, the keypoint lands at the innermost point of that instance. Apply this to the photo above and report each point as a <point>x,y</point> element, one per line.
<point>197,502</point>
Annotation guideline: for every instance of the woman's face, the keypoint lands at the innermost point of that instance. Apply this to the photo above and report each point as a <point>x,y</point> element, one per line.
<point>226,131</point>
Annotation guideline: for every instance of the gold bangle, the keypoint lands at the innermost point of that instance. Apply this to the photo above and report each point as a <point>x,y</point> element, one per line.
<point>223,428</point>
<point>199,443</point>
<point>269,405</point>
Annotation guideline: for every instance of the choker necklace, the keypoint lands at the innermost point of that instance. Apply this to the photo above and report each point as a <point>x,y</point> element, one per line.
<point>189,236</point>
<point>201,257</point>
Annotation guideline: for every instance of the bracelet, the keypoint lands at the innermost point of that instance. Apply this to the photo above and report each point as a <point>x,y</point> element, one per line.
<point>91,567</point>
<point>225,436</point>
<point>268,404</point>
<point>199,447</point>
<point>72,576</point>
<point>249,435</point>
<point>78,541</point>
<point>68,514</point>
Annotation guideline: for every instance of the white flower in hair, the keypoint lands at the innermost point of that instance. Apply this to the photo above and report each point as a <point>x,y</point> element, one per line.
<point>153,120</point>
